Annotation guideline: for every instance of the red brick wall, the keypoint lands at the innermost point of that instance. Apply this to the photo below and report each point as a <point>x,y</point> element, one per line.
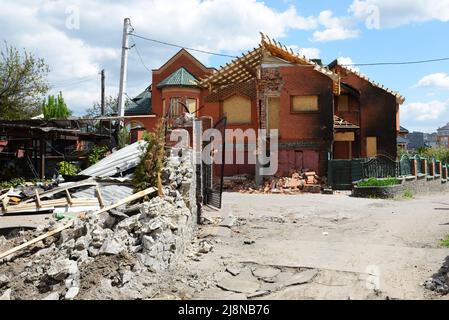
<point>378,116</point>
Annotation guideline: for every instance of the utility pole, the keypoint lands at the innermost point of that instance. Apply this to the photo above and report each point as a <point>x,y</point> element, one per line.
<point>103,111</point>
<point>123,69</point>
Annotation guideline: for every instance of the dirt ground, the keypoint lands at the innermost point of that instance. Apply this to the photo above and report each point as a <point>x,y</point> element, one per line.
<point>306,246</point>
<point>355,248</point>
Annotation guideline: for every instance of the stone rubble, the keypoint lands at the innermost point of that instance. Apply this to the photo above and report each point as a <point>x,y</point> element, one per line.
<point>153,236</point>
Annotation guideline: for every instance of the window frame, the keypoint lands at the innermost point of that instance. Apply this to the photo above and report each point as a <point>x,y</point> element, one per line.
<point>304,111</point>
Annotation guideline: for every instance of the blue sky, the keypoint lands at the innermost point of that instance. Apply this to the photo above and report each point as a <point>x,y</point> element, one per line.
<point>80,37</point>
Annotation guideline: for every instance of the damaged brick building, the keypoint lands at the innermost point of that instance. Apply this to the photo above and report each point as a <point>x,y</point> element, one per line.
<point>322,112</point>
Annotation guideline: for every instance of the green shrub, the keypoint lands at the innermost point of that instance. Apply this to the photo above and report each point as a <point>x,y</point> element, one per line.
<point>12,183</point>
<point>445,242</point>
<point>96,154</point>
<point>67,168</point>
<point>150,166</point>
<point>375,182</point>
<point>408,194</point>
<point>440,153</point>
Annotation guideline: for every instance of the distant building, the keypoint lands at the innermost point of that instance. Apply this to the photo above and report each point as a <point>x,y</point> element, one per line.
<point>416,140</point>
<point>431,139</point>
<point>402,140</point>
<point>443,135</point>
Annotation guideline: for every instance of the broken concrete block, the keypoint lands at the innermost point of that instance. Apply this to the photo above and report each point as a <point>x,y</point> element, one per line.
<point>205,246</point>
<point>111,247</point>
<point>4,280</point>
<point>239,284</point>
<point>232,270</point>
<point>62,268</point>
<point>266,272</point>
<point>72,293</point>
<point>301,278</point>
<point>52,296</point>
<point>6,295</point>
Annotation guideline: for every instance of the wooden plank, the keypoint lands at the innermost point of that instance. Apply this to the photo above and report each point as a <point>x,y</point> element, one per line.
<point>6,193</point>
<point>52,192</point>
<point>38,199</point>
<point>123,201</point>
<point>69,197</point>
<point>35,240</point>
<point>100,197</point>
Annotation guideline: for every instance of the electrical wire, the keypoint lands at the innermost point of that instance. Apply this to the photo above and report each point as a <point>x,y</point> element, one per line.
<point>140,56</point>
<point>394,63</point>
<point>182,47</point>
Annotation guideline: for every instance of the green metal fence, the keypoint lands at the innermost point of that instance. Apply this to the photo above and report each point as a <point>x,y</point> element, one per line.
<point>342,173</point>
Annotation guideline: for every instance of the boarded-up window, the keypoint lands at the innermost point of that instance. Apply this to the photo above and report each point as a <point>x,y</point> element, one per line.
<point>343,103</point>
<point>371,146</point>
<point>273,113</point>
<point>237,110</point>
<point>304,103</point>
<point>191,105</point>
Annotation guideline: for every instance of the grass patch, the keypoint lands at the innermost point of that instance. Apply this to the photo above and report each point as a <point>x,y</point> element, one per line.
<point>445,242</point>
<point>408,194</point>
<point>375,182</point>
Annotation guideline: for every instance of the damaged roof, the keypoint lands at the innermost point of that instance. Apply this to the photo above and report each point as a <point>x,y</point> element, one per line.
<point>243,68</point>
<point>340,123</point>
<point>399,98</point>
<point>139,105</point>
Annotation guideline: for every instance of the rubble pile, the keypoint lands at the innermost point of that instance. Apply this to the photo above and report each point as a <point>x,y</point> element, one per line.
<point>115,246</point>
<point>296,182</point>
<point>439,283</point>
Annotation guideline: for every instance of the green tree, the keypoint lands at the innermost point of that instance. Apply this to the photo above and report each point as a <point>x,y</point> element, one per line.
<point>55,108</point>
<point>23,82</point>
<point>110,104</point>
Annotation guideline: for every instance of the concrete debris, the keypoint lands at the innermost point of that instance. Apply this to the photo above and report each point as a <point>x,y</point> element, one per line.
<point>205,246</point>
<point>115,248</point>
<point>266,272</point>
<point>52,296</point>
<point>6,295</point>
<point>301,278</point>
<point>241,283</point>
<point>72,293</point>
<point>232,270</point>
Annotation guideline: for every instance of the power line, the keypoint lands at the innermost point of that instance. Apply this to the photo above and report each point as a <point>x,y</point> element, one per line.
<point>182,47</point>
<point>394,63</point>
<point>140,57</point>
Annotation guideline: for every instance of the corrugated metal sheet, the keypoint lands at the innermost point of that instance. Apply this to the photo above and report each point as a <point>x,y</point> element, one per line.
<point>111,192</point>
<point>117,162</point>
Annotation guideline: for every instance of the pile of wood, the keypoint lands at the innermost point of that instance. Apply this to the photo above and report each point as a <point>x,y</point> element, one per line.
<point>52,200</point>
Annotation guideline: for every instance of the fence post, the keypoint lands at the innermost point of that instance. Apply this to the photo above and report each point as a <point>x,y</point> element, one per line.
<point>424,166</point>
<point>432,168</point>
<point>444,174</point>
<point>414,167</point>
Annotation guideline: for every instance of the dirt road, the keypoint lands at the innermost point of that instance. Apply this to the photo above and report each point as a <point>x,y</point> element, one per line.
<point>350,248</point>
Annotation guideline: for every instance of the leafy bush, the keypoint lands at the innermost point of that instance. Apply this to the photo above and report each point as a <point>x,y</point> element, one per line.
<point>55,108</point>
<point>375,182</point>
<point>439,153</point>
<point>150,166</point>
<point>12,183</point>
<point>123,138</point>
<point>96,154</point>
<point>67,168</point>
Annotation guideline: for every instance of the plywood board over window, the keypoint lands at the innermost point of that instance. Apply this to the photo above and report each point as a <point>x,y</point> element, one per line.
<point>343,103</point>
<point>371,146</point>
<point>237,110</point>
<point>191,104</point>
<point>304,103</point>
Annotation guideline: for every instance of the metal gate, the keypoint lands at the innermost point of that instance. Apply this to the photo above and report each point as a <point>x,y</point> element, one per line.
<point>213,173</point>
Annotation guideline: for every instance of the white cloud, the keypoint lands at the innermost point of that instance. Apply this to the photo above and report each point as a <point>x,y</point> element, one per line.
<point>424,116</point>
<point>228,26</point>
<point>435,81</point>
<point>396,13</point>
<point>336,28</point>
<point>347,62</point>
<point>310,53</point>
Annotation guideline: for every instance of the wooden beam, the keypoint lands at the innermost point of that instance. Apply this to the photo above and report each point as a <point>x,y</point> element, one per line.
<point>38,199</point>
<point>35,240</point>
<point>123,201</point>
<point>100,197</point>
